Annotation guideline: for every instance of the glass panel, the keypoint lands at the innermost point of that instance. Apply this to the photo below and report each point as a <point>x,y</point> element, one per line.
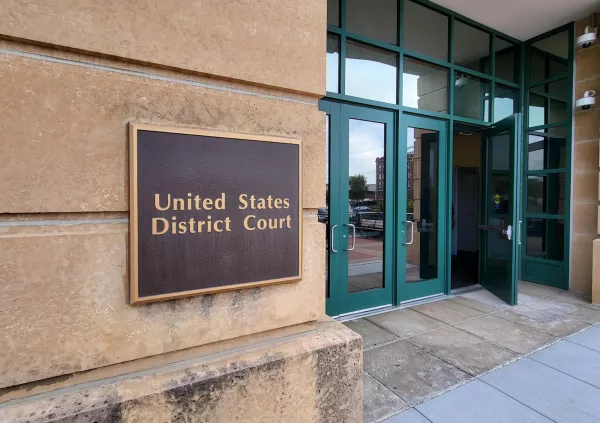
<point>370,72</point>
<point>558,112</point>
<point>537,110</point>
<point>471,97</point>
<point>333,12</point>
<point>333,63</point>
<point>506,101</point>
<point>323,213</point>
<point>425,86</point>
<point>471,47</point>
<point>496,248</point>
<point>557,45</point>
<point>537,67</point>
<point>559,89</point>
<point>546,238</point>
<point>422,204</point>
<point>507,60</point>
<point>367,202</point>
<point>547,150</point>
<point>546,193</point>
<point>419,36</point>
<point>377,19</point>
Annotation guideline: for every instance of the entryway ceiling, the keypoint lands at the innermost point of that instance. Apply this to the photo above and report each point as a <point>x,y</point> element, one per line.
<point>523,19</point>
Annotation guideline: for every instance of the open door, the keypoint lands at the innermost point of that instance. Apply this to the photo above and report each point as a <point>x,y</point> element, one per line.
<point>499,222</point>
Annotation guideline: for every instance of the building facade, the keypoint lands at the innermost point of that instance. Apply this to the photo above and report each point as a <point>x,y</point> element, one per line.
<point>470,136</point>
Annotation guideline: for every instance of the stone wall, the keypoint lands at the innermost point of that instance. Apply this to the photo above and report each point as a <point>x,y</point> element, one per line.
<point>585,174</point>
<point>73,75</point>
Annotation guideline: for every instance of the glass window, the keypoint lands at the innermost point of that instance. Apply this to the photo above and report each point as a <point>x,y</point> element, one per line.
<point>546,193</point>
<point>425,31</point>
<point>537,67</point>
<point>471,47</point>
<point>370,72</point>
<point>545,238</point>
<point>558,112</point>
<point>377,19</point>
<point>559,89</point>
<point>506,101</point>
<point>537,110</point>
<point>549,57</point>
<point>556,45</point>
<point>471,97</point>
<point>333,63</point>
<point>333,12</point>
<point>547,150</point>
<point>507,60</point>
<point>425,86</point>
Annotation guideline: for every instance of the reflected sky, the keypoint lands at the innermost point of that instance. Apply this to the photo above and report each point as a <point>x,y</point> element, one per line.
<point>367,143</point>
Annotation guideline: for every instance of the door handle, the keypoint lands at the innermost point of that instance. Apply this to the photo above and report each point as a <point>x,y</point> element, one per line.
<point>520,228</point>
<point>332,238</point>
<point>353,236</point>
<point>412,233</point>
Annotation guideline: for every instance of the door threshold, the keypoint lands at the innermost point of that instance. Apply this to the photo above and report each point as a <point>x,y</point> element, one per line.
<point>467,289</point>
<point>384,309</point>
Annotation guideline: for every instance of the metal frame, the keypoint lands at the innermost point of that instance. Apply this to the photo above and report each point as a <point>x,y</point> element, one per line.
<point>547,269</point>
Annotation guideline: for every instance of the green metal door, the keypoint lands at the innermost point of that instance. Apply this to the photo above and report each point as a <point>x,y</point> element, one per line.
<point>500,227</point>
<point>421,219</point>
<point>361,205</point>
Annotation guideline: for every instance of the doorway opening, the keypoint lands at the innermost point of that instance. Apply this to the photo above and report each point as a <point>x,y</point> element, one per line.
<point>466,203</point>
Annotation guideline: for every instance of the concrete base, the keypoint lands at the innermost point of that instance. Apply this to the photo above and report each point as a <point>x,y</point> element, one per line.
<point>314,376</point>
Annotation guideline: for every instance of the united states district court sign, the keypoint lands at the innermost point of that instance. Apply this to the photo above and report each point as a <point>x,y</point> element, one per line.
<point>212,211</point>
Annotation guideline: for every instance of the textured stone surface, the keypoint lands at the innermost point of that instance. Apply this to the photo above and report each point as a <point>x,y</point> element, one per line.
<point>266,42</point>
<point>515,337</point>
<point>463,350</point>
<point>378,401</point>
<point>549,321</point>
<point>313,378</point>
<point>372,335</point>
<point>411,373</point>
<point>63,135</point>
<point>63,306</point>
<point>447,311</point>
<point>405,322</point>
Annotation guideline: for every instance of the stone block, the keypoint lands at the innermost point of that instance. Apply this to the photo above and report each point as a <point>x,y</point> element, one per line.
<point>265,42</point>
<point>64,306</point>
<point>581,262</point>
<point>313,378</point>
<point>596,271</point>
<point>585,187</point>
<point>64,139</point>
<point>585,156</point>
<point>585,218</point>
<point>587,63</point>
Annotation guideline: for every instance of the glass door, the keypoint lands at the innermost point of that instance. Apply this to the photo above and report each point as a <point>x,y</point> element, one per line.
<point>500,226</point>
<point>422,203</point>
<point>360,209</point>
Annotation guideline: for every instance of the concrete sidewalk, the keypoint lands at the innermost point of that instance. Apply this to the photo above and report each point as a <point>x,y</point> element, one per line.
<point>560,383</point>
<point>416,354</point>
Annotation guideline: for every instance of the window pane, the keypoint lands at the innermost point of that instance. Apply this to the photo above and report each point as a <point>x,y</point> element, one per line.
<point>558,111</point>
<point>547,150</point>
<point>546,193</point>
<point>333,63</point>
<point>560,89</point>
<point>366,144</point>
<point>425,86</point>
<point>537,67</point>
<point>471,47</point>
<point>377,19</point>
<point>333,12</point>
<point>557,45</point>
<point>425,31</point>
<point>507,60</point>
<point>545,238</point>
<point>537,110</point>
<point>370,72</point>
<point>506,101</point>
<point>549,57</point>
<point>471,97</point>
<point>422,204</point>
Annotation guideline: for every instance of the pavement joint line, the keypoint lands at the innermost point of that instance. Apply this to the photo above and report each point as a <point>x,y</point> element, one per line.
<point>516,400</point>
<point>564,373</point>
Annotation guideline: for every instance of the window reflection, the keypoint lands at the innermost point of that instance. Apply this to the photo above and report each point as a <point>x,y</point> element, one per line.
<point>507,60</point>
<point>547,150</point>
<point>370,72</point>
<point>418,34</point>
<point>376,19</point>
<point>545,238</point>
<point>505,102</point>
<point>333,63</point>
<point>425,86</point>
<point>471,47</point>
<point>471,97</point>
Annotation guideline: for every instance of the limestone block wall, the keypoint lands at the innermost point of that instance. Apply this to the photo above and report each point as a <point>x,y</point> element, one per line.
<point>73,74</point>
<point>585,174</point>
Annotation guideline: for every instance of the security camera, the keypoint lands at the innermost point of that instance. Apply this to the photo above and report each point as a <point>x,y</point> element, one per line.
<point>588,100</point>
<point>461,82</point>
<point>588,38</point>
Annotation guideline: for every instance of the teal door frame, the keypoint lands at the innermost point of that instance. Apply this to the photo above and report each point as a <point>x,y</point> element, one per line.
<point>339,299</point>
<point>439,285</point>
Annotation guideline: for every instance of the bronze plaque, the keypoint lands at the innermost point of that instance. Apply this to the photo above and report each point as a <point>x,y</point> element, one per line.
<point>212,211</point>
